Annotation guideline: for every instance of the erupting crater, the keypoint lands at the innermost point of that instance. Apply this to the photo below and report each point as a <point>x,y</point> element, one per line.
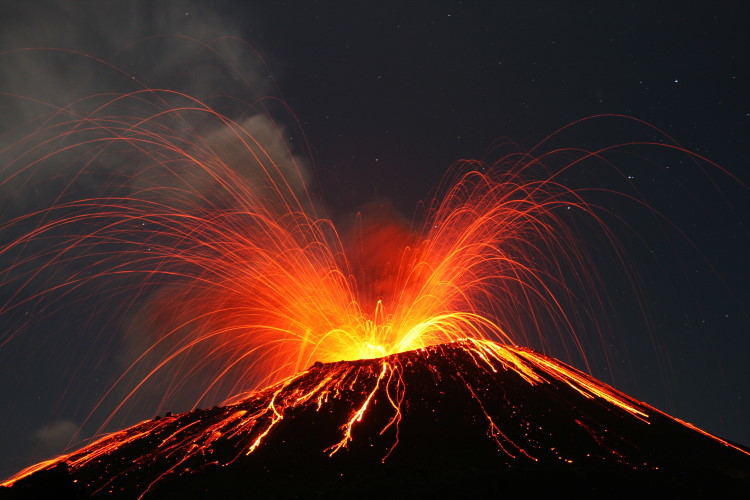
<point>464,416</point>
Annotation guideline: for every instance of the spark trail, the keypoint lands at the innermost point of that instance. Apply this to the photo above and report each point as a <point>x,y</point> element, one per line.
<point>217,247</point>
<point>207,241</point>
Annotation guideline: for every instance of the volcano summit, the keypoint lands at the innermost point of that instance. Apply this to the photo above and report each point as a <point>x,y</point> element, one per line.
<point>470,416</point>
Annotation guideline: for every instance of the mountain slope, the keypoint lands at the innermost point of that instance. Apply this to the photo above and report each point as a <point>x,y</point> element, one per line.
<point>468,416</point>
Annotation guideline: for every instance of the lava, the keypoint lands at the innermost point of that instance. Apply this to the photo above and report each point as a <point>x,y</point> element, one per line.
<point>214,250</point>
<point>208,243</point>
<point>526,409</point>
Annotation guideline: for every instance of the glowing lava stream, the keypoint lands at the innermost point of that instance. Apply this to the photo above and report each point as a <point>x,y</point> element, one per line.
<point>178,442</point>
<point>233,280</point>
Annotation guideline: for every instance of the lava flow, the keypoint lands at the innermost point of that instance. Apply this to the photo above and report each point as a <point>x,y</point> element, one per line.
<point>214,254</point>
<point>420,419</point>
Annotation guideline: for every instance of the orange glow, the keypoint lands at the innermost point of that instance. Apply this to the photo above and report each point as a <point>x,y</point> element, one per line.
<point>237,282</point>
<point>242,281</point>
<point>249,419</point>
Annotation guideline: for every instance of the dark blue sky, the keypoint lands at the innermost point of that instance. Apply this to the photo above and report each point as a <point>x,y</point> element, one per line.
<point>389,95</point>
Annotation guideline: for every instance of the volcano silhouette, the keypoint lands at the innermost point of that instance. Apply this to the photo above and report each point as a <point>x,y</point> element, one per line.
<point>467,417</point>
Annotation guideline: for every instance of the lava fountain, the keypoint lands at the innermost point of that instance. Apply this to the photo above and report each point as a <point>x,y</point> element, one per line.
<point>206,235</point>
<point>242,282</point>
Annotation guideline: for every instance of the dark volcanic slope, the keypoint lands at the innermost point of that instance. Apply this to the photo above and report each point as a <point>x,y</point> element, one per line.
<point>465,417</point>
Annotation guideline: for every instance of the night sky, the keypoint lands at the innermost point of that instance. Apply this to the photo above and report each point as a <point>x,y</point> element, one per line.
<point>389,96</point>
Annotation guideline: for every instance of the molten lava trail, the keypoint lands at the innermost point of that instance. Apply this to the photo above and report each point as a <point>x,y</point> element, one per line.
<point>510,405</point>
<point>206,241</point>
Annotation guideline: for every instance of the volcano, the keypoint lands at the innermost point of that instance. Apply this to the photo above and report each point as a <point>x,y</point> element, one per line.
<point>466,417</point>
